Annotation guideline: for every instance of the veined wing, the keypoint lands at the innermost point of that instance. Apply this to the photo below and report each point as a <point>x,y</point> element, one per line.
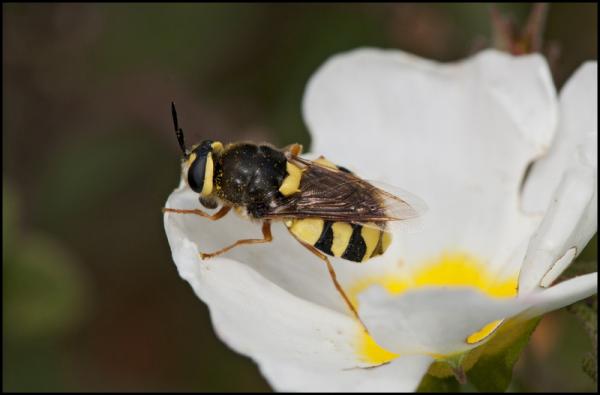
<point>337,195</point>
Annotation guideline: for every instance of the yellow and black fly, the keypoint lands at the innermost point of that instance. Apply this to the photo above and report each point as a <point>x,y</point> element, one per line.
<point>327,208</point>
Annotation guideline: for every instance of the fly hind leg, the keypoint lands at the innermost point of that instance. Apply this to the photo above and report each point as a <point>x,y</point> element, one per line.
<point>333,276</point>
<point>267,237</point>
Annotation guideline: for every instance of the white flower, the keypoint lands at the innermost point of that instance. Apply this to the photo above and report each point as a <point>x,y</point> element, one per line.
<point>460,136</point>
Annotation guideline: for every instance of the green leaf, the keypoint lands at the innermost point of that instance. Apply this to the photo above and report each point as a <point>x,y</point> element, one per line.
<point>44,291</point>
<point>488,367</point>
<point>10,217</point>
<point>431,383</point>
<point>587,312</point>
<point>493,370</point>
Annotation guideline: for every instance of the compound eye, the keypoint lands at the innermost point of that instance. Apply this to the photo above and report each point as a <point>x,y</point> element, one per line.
<point>196,174</point>
<point>200,173</point>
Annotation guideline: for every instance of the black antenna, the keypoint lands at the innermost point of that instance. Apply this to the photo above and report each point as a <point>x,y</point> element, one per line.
<point>178,131</point>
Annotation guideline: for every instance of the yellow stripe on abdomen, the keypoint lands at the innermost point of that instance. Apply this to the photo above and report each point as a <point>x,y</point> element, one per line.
<point>308,230</point>
<point>352,242</point>
<point>386,240</point>
<point>342,232</point>
<point>370,235</point>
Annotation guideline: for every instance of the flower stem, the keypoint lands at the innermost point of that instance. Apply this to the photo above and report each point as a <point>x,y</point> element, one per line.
<point>456,365</point>
<point>459,374</point>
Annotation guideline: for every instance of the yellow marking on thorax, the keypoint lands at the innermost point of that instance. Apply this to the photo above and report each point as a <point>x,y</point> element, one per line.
<point>342,232</point>
<point>241,211</point>
<point>207,187</point>
<point>291,183</point>
<point>308,230</point>
<point>370,235</point>
<point>217,146</point>
<point>326,163</point>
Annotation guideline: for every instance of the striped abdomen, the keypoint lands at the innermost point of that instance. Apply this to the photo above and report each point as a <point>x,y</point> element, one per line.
<point>353,242</point>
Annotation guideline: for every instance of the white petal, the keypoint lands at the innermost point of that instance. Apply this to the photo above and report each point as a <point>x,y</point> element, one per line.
<point>565,184</point>
<point>433,320</point>
<point>253,314</point>
<point>298,345</point>
<point>569,224</point>
<point>578,119</point>
<point>457,135</point>
<point>561,295</point>
<point>283,261</point>
<point>400,375</point>
<point>439,320</point>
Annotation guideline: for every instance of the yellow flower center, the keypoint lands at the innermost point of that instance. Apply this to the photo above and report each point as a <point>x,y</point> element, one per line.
<point>450,269</point>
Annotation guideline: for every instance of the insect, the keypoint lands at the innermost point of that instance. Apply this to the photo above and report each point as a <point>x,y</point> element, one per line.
<point>326,208</point>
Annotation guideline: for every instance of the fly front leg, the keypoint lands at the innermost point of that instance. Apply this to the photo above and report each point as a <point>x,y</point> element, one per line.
<point>214,217</point>
<point>293,149</point>
<point>267,237</point>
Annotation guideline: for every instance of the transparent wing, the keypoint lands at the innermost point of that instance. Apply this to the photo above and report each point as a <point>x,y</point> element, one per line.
<point>399,203</point>
<point>338,195</point>
<point>407,207</point>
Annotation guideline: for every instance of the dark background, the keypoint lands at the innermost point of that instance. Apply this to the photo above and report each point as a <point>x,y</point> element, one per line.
<point>91,298</point>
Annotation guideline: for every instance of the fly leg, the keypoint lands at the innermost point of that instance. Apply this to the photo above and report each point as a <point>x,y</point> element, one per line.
<point>337,285</point>
<point>215,217</point>
<point>267,237</point>
<point>293,149</point>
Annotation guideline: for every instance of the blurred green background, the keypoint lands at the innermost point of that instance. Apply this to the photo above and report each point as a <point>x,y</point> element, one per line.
<point>91,298</point>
